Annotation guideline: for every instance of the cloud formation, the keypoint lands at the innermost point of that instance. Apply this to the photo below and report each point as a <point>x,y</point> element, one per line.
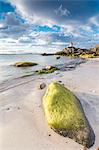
<point>62,11</point>
<point>42,25</point>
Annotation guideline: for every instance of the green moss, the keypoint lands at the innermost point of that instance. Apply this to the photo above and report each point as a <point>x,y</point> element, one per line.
<point>65,114</point>
<point>24,64</point>
<point>61,107</point>
<point>87,56</point>
<point>47,71</point>
<point>74,55</point>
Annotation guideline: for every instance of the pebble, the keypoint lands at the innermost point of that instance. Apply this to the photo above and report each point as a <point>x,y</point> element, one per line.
<point>49,135</point>
<point>18,108</point>
<point>8,109</point>
<point>60,81</point>
<point>42,86</point>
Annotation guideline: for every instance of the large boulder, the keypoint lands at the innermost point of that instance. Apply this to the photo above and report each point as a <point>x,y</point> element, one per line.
<point>95,50</point>
<point>24,64</point>
<point>65,115</point>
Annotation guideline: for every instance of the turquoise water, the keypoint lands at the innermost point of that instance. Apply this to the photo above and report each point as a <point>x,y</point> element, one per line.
<point>8,71</point>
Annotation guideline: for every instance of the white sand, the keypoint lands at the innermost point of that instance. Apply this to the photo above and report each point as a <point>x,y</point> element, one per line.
<point>22,122</point>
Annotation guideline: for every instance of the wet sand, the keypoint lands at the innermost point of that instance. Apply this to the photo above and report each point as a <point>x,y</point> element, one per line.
<point>22,122</point>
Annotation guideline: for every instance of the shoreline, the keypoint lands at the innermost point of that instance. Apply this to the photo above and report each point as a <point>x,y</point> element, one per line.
<point>68,66</point>
<point>22,122</point>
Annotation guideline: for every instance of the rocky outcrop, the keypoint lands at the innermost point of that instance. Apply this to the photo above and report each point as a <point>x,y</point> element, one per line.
<point>95,50</point>
<point>24,64</point>
<point>46,70</point>
<point>65,115</point>
<point>79,52</point>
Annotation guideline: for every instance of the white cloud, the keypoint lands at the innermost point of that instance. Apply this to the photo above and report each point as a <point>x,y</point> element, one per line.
<point>67,29</point>
<point>2,25</point>
<point>86,28</point>
<point>62,11</point>
<point>26,10</point>
<point>60,43</point>
<point>33,33</point>
<point>94,20</point>
<point>27,37</point>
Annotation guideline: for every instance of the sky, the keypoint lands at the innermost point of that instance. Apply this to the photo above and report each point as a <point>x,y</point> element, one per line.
<point>36,26</point>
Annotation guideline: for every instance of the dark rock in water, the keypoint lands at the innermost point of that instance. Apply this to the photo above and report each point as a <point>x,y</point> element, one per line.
<point>65,115</point>
<point>24,64</point>
<point>58,57</point>
<point>46,54</point>
<point>42,86</point>
<point>71,65</point>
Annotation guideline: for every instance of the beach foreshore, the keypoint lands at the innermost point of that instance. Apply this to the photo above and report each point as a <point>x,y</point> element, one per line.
<point>22,122</point>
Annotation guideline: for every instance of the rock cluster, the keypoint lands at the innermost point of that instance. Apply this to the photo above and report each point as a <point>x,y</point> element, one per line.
<point>79,52</point>
<point>95,50</point>
<point>46,70</point>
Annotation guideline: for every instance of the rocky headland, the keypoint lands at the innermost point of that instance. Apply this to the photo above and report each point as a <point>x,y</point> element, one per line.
<point>73,52</point>
<point>79,52</point>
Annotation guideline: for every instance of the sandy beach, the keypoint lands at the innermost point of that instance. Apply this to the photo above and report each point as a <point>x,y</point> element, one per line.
<point>22,122</point>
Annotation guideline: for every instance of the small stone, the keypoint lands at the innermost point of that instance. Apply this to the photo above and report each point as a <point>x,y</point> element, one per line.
<point>42,86</point>
<point>60,81</point>
<point>18,108</point>
<point>49,135</point>
<point>57,73</point>
<point>48,67</point>
<point>85,148</point>
<point>58,57</point>
<point>8,109</point>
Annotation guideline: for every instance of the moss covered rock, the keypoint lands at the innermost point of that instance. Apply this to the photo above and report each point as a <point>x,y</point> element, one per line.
<point>47,69</point>
<point>65,115</point>
<point>87,56</point>
<point>24,64</point>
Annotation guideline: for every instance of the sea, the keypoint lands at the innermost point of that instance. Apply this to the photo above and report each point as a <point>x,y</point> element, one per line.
<point>8,71</point>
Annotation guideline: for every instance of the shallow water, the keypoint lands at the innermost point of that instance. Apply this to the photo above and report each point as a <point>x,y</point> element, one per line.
<point>8,71</point>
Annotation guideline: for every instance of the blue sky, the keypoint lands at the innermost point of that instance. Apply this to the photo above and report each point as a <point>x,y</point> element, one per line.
<point>47,25</point>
